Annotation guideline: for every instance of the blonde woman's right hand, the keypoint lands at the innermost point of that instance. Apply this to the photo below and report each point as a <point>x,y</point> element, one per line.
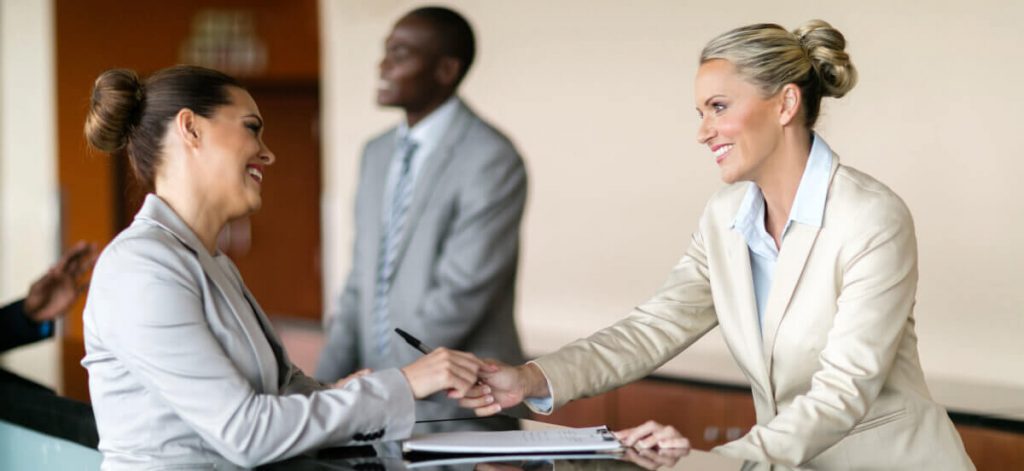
<point>443,369</point>
<point>502,386</point>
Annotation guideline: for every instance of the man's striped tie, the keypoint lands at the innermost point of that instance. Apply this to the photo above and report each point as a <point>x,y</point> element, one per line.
<point>386,258</point>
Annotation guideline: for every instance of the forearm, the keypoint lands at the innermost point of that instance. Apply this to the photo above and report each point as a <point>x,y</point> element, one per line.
<point>19,328</point>
<point>680,312</point>
<point>617,355</point>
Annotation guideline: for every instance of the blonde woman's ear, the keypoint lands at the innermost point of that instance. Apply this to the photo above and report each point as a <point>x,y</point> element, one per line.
<point>791,99</point>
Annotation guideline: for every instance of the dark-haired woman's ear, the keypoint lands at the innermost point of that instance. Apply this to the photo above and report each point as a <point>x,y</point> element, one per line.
<point>186,126</point>
<point>791,102</point>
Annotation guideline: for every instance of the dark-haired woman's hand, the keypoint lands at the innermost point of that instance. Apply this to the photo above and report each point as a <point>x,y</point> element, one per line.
<point>443,369</point>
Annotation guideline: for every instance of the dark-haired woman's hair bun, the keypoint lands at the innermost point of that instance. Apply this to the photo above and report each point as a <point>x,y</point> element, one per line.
<point>826,48</point>
<point>114,110</point>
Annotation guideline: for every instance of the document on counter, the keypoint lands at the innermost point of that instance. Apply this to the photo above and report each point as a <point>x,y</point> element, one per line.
<point>522,461</point>
<point>563,440</point>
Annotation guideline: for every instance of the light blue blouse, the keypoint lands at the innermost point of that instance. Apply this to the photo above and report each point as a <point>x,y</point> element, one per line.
<point>808,208</point>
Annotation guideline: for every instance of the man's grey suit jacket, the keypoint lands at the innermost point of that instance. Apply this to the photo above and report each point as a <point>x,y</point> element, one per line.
<point>454,282</point>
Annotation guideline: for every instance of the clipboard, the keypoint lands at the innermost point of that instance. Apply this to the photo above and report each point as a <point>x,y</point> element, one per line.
<point>562,440</point>
<point>519,461</point>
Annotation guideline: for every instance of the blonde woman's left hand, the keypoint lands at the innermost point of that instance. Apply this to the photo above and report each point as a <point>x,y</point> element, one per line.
<point>652,434</point>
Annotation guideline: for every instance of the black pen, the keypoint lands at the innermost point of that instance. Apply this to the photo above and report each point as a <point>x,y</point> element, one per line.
<point>415,342</point>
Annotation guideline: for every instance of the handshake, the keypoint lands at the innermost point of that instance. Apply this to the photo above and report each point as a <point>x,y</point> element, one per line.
<point>489,386</point>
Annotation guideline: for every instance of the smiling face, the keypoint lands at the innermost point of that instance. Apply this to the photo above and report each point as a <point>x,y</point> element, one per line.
<point>234,157</point>
<point>742,128</point>
<point>409,71</point>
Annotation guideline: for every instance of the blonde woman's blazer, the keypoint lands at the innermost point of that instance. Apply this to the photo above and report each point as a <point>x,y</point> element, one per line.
<point>185,370</point>
<point>834,371</point>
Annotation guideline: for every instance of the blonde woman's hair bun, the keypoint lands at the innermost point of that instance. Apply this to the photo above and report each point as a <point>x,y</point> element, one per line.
<point>825,46</point>
<point>813,57</point>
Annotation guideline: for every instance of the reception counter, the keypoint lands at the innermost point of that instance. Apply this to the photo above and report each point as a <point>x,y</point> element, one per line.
<point>42,431</point>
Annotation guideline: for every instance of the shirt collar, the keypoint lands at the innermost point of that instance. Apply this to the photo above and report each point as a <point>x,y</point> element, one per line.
<point>429,131</point>
<point>809,203</point>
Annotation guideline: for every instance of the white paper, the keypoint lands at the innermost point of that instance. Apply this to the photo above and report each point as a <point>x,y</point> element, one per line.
<point>448,460</point>
<point>560,440</point>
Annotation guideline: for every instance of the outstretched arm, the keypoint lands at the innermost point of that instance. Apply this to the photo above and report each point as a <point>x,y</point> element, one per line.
<point>53,293</point>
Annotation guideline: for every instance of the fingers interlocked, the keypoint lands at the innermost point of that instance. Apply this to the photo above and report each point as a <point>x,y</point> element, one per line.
<point>444,369</point>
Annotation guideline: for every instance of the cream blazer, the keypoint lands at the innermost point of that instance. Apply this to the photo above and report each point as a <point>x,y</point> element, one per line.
<point>185,371</point>
<point>835,374</point>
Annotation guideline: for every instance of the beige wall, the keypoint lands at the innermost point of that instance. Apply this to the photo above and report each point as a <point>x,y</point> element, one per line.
<point>28,179</point>
<point>598,97</point>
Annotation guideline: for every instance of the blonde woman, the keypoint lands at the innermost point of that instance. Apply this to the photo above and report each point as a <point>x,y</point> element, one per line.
<point>185,371</point>
<point>807,266</point>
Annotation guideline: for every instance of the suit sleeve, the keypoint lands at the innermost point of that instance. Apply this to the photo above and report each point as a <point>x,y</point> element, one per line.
<point>340,355</point>
<point>680,312</point>
<point>150,314</point>
<point>479,257</point>
<point>875,304</point>
<point>298,383</point>
<point>16,329</point>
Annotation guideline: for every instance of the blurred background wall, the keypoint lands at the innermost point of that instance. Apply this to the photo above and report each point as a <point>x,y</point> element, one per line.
<point>29,210</point>
<point>598,96</point>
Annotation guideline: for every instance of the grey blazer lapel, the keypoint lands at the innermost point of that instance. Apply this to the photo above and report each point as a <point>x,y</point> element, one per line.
<point>268,329</point>
<point>426,181</point>
<point>158,212</point>
<point>377,163</point>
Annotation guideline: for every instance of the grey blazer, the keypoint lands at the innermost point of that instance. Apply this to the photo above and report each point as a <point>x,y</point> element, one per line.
<point>454,282</point>
<point>185,369</point>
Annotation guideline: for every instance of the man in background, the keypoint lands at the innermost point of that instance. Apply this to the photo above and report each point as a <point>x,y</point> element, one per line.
<point>437,216</point>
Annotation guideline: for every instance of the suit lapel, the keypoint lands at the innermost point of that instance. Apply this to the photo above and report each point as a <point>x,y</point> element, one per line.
<point>250,324</point>
<point>377,170</point>
<point>280,355</point>
<point>796,248</point>
<point>742,287</point>
<point>792,259</point>
<point>426,181</point>
<point>157,211</point>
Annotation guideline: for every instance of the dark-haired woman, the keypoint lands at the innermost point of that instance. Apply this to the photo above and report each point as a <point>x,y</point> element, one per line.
<point>807,266</point>
<point>184,368</point>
